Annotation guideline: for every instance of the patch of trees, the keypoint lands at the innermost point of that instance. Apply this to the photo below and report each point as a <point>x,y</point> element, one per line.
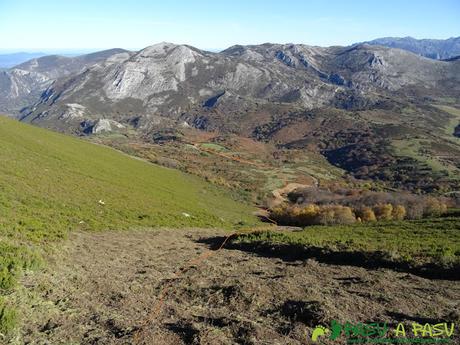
<point>315,206</point>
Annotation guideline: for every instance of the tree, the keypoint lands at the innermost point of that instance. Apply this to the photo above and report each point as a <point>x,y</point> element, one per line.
<point>366,214</point>
<point>383,211</point>
<point>399,212</point>
<point>335,214</point>
<point>434,207</point>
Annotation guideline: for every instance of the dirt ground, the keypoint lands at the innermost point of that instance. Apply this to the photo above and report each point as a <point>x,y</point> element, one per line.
<point>121,288</point>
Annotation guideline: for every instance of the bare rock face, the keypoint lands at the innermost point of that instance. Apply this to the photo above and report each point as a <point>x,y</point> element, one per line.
<point>73,111</point>
<point>155,69</point>
<point>105,125</point>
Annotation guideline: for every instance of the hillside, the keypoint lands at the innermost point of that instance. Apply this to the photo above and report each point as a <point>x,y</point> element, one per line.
<point>51,184</point>
<point>55,183</point>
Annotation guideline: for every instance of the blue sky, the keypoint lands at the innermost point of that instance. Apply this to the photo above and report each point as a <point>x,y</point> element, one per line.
<point>97,24</point>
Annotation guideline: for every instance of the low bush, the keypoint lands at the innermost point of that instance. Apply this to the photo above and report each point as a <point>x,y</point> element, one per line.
<point>8,319</point>
<point>335,214</point>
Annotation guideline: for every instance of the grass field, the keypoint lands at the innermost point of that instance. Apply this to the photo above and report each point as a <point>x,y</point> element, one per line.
<point>454,122</point>
<point>419,242</point>
<point>51,184</point>
<point>414,149</point>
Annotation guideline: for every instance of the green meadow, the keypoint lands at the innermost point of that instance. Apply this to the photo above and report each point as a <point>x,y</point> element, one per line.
<point>414,242</point>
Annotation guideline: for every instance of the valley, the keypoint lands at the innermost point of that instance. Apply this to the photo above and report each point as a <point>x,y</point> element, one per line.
<point>112,262</point>
<point>173,195</point>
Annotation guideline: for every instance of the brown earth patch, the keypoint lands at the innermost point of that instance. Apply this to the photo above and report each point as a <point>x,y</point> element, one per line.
<point>101,288</point>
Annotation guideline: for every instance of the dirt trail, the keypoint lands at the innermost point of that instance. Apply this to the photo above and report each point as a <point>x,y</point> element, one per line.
<point>102,287</point>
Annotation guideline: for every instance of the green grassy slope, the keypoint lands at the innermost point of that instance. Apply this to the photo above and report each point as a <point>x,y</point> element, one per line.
<point>415,242</point>
<point>51,184</point>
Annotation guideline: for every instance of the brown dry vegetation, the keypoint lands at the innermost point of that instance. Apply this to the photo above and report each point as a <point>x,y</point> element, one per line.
<point>316,206</point>
<point>101,288</point>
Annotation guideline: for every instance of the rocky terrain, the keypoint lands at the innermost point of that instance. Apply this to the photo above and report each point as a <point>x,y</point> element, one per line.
<point>22,85</point>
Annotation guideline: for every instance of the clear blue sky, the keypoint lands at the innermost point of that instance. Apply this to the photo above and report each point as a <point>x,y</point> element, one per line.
<point>95,24</point>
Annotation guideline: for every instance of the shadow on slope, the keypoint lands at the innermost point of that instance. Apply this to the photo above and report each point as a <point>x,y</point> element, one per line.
<point>364,259</point>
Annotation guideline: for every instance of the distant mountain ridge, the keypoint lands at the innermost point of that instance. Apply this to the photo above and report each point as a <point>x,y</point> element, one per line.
<point>22,85</point>
<point>167,83</point>
<point>12,59</point>
<point>431,48</point>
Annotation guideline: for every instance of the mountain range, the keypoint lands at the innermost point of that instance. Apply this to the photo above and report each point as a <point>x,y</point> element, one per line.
<point>430,48</point>
<point>363,106</point>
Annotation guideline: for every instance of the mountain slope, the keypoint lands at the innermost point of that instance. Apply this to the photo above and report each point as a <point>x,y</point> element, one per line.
<point>56,183</point>
<point>23,84</point>
<point>51,184</point>
<point>430,48</point>
<point>167,84</point>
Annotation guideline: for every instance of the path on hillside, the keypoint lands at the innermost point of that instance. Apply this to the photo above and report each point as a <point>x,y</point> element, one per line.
<point>101,288</point>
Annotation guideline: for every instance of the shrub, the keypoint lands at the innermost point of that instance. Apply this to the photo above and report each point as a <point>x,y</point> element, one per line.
<point>313,214</point>
<point>325,216</point>
<point>383,211</point>
<point>366,214</point>
<point>367,207</point>
<point>399,212</point>
<point>8,318</point>
<point>281,214</point>
<point>7,279</point>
